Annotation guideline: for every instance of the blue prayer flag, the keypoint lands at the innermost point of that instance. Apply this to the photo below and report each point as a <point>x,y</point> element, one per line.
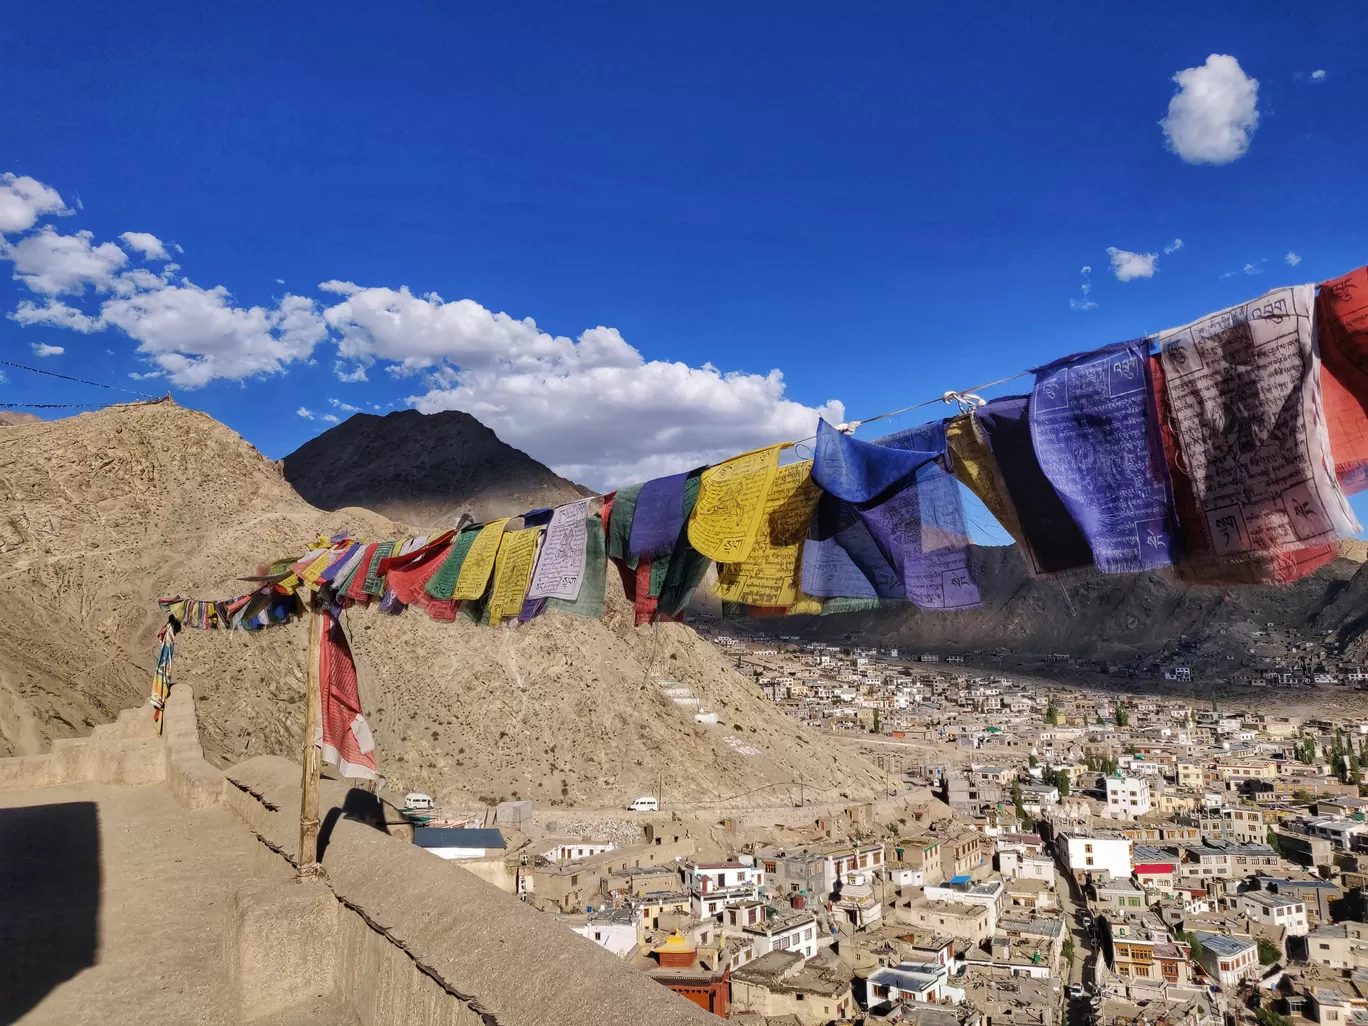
<point>1096,435</point>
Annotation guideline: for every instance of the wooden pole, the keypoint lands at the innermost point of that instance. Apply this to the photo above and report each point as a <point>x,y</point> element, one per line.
<point>309,868</point>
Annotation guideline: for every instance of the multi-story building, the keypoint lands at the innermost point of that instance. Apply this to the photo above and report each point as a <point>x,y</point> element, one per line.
<point>918,853</point>
<point>1275,910</point>
<point>963,890</point>
<point>1128,796</point>
<point>963,854</point>
<point>1228,959</point>
<point>789,931</point>
<point>1093,855</point>
<point>1340,946</point>
<point>713,886</point>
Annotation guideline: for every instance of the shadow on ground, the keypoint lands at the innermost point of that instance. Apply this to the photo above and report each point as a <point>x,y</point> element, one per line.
<point>49,900</point>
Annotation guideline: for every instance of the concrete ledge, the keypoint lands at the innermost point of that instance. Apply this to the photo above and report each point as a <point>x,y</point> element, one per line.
<point>193,781</point>
<point>129,752</point>
<point>279,949</point>
<point>426,942</point>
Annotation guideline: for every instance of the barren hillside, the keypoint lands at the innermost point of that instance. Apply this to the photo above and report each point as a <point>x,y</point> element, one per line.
<point>424,469</point>
<point>1129,617</point>
<point>102,513</point>
<point>9,418</point>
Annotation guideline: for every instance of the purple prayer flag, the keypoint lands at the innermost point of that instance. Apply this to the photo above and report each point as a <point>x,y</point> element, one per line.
<point>1096,436</point>
<point>659,517</point>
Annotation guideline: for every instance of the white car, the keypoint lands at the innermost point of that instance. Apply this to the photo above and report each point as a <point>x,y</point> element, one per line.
<point>645,804</point>
<point>416,801</point>
<point>1076,991</point>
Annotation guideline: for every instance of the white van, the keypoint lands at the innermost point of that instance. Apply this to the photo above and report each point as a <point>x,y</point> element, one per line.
<point>416,801</point>
<point>645,804</point>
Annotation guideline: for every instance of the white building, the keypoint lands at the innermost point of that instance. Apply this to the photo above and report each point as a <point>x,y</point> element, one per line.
<point>909,981</point>
<point>790,931</point>
<point>614,930</point>
<point>713,886</point>
<point>1276,910</point>
<point>1228,959</point>
<point>569,851</point>
<point>1128,796</point>
<point>1091,856</point>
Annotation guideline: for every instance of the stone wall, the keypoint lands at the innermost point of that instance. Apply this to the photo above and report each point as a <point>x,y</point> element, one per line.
<point>424,941</point>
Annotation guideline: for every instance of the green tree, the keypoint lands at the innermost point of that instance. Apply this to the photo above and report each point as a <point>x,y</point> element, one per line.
<point>1268,1017</point>
<point>1018,801</point>
<point>1122,717</point>
<point>1275,842</point>
<point>1032,760</point>
<point>1268,952</point>
<point>875,728</point>
<point>1051,713</point>
<point>1190,939</point>
<point>1059,779</point>
<point>1067,950</point>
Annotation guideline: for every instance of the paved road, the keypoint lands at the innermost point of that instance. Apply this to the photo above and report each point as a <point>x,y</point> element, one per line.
<point>1081,970</point>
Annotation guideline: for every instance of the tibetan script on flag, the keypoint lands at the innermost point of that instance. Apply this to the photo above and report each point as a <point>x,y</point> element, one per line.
<point>1096,437</point>
<point>1243,393</point>
<point>768,577</point>
<point>731,503</point>
<point>560,567</point>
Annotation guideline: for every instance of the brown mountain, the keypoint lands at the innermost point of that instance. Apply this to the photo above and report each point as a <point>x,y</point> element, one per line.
<point>102,513</point>
<point>8,419</point>
<point>423,469</point>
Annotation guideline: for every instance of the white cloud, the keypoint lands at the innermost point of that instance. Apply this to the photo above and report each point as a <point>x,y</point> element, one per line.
<point>148,245</point>
<point>590,407</point>
<point>52,263</point>
<point>43,349</point>
<point>357,373</point>
<point>56,314</point>
<point>1086,287</point>
<point>23,200</point>
<point>1128,266</point>
<point>1214,113</point>
<point>1252,269</point>
<point>280,281</point>
<point>1318,75</point>
<point>1292,258</point>
<point>1174,246</point>
<point>196,335</point>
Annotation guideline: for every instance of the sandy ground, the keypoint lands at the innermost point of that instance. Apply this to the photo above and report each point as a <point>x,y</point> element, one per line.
<point>114,903</point>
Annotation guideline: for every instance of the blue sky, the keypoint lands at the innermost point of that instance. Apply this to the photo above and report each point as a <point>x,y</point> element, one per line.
<point>879,202</point>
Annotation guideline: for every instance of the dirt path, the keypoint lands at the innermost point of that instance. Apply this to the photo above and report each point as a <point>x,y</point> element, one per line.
<point>114,901</point>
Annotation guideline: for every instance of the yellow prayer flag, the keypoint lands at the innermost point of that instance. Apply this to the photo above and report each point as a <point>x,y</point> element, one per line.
<point>805,605</point>
<point>769,575</point>
<point>479,561</point>
<point>512,573</point>
<point>731,504</point>
<point>976,469</point>
<point>310,573</point>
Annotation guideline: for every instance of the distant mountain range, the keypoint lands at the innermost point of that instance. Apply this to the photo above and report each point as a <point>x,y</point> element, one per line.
<point>7,418</point>
<point>1130,618</point>
<point>423,469</point>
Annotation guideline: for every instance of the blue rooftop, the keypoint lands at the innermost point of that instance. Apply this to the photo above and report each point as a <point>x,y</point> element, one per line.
<point>458,837</point>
